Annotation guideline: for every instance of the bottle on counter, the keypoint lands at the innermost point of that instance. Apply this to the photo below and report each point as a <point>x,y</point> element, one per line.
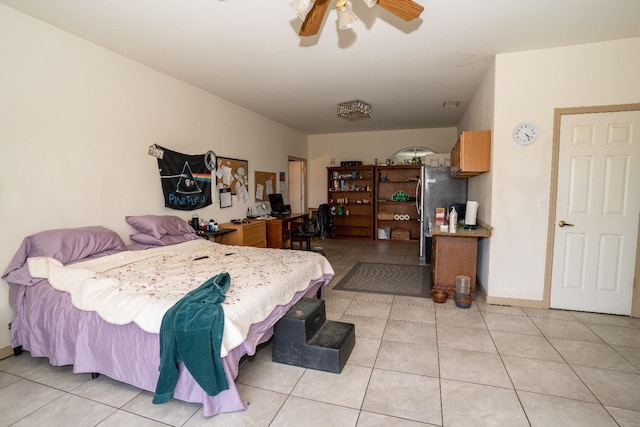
<point>453,220</point>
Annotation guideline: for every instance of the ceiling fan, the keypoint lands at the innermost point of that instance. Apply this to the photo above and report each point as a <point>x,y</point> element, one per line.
<point>315,11</point>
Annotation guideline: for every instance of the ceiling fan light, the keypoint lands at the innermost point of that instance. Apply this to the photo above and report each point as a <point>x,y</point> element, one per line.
<point>346,17</point>
<point>302,7</point>
<point>371,3</point>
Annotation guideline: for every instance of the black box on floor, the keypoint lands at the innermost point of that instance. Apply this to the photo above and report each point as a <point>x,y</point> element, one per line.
<point>304,337</point>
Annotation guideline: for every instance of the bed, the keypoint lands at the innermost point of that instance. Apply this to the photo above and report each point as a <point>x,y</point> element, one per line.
<point>80,297</point>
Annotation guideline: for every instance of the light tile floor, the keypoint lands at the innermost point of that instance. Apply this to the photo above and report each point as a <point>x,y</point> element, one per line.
<point>414,364</point>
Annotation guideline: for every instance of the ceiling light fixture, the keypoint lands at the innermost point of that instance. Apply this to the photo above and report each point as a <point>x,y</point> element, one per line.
<point>354,110</point>
<point>302,7</point>
<point>313,12</point>
<point>346,17</point>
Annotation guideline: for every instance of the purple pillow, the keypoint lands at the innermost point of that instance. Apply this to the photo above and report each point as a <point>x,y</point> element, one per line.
<point>66,245</point>
<point>147,239</point>
<point>159,225</point>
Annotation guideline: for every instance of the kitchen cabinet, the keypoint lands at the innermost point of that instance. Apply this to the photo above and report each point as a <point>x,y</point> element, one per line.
<point>471,155</point>
<point>455,254</point>
<point>390,181</point>
<point>250,233</point>
<point>350,198</point>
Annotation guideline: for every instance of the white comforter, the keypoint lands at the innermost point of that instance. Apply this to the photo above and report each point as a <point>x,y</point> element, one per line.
<point>140,286</point>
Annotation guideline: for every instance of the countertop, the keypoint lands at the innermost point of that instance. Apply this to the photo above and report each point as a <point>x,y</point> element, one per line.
<point>482,230</point>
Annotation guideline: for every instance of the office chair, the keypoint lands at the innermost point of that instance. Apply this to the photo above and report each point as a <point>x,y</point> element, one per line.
<point>307,230</point>
<point>319,225</point>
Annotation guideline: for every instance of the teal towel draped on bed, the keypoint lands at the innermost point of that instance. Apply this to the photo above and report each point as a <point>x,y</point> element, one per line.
<point>191,333</point>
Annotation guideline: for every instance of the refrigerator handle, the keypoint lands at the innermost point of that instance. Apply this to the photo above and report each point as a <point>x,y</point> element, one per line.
<point>417,194</point>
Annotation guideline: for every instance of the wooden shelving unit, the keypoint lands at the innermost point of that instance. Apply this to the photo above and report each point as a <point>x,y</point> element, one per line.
<point>350,196</point>
<point>390,180</point>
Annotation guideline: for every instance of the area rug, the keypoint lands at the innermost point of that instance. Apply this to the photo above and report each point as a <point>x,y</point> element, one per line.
<point>392,279</point>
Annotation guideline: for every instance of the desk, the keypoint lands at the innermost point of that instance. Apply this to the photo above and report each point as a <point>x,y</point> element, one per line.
<point>248,233</point>
<point>279,229</point>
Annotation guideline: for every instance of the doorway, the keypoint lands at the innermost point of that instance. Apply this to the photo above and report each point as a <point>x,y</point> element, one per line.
<point>298,184</point>
<point>593,217</point>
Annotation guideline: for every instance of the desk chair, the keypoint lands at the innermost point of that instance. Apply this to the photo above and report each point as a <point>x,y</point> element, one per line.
<point>319,225</point>
<point>306,230</point>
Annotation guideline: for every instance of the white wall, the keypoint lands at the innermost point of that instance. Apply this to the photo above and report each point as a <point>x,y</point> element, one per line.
<point>75,124</point>
<point>528,87</point>
<point>479,116</point>
<point>366,147</point>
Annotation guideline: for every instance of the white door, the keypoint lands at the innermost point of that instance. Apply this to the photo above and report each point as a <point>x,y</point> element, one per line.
<point>597,209</point>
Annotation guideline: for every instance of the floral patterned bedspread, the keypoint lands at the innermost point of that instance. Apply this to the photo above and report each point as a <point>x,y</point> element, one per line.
<point>140,286</point>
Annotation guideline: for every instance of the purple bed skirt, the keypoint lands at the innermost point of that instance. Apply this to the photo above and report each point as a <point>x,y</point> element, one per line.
<point>46,324</point>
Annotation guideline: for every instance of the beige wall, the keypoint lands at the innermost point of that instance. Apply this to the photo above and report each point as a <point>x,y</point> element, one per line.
<point>479,116</point>
<point>76,122</point>
<point>366,147</point>
<point>528,87</point>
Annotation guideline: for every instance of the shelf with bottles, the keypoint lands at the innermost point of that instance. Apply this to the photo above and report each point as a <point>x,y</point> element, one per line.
<point>351,172</point>
<point>339,208</point>
<point>350,196</point>
<point>357,185</point>
<point>346,189</point>
<point>349,201</point>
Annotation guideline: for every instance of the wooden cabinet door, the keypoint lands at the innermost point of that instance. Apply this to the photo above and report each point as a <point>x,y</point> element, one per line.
<point>471,155</point>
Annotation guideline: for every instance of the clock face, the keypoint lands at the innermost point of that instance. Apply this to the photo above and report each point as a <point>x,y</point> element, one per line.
<point>525,133</point>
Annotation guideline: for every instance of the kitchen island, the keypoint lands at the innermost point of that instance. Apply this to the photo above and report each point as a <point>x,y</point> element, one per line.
<point>455,254</point>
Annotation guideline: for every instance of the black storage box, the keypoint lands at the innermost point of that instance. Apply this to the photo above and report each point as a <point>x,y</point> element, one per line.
<point>304,337</point>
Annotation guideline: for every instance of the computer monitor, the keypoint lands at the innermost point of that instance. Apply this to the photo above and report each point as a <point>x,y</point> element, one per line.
<point>277,203</point>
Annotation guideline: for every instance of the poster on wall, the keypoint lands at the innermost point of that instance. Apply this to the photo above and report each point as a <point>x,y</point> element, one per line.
<point>185,179</point>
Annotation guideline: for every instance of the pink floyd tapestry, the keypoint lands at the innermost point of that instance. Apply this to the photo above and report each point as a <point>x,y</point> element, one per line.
<point>186,181</point>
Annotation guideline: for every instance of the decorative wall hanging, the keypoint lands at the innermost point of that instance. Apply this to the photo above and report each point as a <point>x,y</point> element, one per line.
<point>233,174</point>
<point>185,179</point>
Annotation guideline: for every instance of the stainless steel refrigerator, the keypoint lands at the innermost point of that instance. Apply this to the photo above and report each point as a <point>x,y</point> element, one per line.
<point>436,189</point>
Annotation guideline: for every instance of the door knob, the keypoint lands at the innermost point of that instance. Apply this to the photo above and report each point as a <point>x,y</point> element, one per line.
<point>564,224</point>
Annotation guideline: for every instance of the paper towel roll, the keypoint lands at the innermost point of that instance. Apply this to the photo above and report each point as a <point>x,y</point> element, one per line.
<point>396,217</point>
<point>471,213</point>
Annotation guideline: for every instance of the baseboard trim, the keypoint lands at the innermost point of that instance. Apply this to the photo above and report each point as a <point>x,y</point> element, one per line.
<point>518,302</point>
<point>6,352</point>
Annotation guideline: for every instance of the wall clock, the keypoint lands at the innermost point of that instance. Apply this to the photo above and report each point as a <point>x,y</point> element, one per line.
<point>525,133</point>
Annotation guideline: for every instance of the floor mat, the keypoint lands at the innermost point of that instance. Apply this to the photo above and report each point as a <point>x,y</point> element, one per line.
<point>394,279</point>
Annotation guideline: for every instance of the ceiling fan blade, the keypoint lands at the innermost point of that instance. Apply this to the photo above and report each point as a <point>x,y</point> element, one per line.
<point>313,21</point>
<point>405,9</point>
